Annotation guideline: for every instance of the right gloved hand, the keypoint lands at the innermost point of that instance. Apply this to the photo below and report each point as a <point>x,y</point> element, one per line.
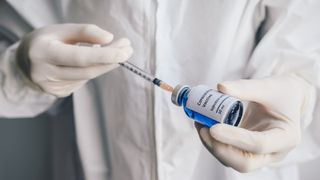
<point>270,128</point>
<point>50,58</point>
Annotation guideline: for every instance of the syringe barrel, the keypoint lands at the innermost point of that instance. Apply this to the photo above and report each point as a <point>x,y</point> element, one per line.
<point>138,71</point>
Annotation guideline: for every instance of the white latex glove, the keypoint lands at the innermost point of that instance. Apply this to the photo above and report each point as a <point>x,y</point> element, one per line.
<point>271,125</point>
<point>51,59</point>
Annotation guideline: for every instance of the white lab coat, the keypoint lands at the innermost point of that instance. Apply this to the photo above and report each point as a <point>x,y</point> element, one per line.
<point>128,129</point>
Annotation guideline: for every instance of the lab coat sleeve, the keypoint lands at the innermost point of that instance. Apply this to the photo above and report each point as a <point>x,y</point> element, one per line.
<point>291,44</point>
<point>18,97</point>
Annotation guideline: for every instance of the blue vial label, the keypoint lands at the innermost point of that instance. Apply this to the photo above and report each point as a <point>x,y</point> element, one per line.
<point>209,107</point>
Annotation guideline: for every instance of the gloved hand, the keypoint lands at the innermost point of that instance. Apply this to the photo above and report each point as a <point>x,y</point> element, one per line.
<point>52,60</point>
<point>271,124</point>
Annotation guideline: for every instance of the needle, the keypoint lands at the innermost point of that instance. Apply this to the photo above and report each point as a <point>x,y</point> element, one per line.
<point>131,67</point>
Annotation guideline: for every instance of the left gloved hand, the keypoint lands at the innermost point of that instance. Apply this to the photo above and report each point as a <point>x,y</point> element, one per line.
<point>271,125</point>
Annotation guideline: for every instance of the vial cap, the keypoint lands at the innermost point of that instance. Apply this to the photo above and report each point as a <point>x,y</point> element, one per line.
<point>176,93</point>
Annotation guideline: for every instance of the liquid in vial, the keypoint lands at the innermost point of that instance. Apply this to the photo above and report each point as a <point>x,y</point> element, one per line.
<point>207,106</point>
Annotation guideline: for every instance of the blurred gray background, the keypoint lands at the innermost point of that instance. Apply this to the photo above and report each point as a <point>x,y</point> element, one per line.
<point>40,148</point>
<point>25,149</point>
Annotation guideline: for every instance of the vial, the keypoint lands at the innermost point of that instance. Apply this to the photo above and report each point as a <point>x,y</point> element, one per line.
<point>207,106</point>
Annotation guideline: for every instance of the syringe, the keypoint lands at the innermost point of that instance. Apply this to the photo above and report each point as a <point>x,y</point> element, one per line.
<point>147,76</point>
<point>136,70</point>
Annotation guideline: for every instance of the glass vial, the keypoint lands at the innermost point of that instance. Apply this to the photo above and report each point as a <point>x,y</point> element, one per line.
<point>207,106</point>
